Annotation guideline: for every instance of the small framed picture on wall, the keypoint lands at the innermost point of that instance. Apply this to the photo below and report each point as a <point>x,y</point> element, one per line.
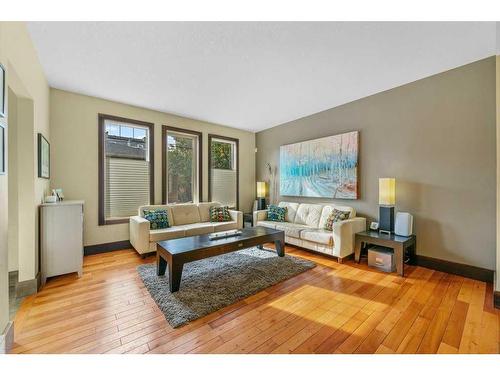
<point>43,157</point>
<point>2,91</point>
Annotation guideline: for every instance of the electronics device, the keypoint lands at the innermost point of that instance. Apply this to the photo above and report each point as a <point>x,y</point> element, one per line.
<point>404,224</point>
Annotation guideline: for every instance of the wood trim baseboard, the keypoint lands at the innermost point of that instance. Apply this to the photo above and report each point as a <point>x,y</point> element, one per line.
<point>472,272</point>
<point>496,300</point>
<point>106,247</point>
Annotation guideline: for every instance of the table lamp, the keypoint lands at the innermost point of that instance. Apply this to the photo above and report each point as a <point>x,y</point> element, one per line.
<point>261,195</point>
<point>386,201</point>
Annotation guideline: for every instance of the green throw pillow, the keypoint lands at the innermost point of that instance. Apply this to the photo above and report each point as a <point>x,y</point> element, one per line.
<point>158,219</point>
<point>219,214</point>
<point>276,213</point>
<point>336,215</point>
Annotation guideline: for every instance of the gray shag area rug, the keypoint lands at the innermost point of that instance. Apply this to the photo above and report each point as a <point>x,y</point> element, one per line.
<point>210,284</point>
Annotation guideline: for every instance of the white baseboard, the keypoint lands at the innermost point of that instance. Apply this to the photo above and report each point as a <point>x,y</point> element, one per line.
<point>7,338</point>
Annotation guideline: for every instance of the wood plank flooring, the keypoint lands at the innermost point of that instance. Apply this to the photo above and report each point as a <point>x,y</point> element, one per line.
<point>333,308</point>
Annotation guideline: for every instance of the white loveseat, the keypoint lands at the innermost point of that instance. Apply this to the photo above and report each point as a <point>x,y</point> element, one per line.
<point>185,220</point>
<point>304,226</point>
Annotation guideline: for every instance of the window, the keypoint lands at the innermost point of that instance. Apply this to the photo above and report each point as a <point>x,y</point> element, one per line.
<point>126,165</point>
<point>181,154</point>
<point>223,170</point>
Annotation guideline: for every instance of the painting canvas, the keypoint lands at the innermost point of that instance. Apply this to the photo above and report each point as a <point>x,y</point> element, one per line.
<point>324,167</point>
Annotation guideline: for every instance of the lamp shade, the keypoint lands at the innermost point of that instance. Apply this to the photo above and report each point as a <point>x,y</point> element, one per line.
<point>387,191</point>
<point>261,189</point>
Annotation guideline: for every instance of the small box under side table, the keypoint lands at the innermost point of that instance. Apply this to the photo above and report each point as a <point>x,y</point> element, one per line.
<point>400,244</point>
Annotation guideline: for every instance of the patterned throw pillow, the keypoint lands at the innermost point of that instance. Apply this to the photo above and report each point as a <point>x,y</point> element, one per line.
<point>158,219</point>
<point>219,214</point>
<point>276,213</point>
<point>336,215</point>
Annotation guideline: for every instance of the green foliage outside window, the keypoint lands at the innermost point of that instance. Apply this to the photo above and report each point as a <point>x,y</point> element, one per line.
<point>180,170</point>
<point>221,155</point>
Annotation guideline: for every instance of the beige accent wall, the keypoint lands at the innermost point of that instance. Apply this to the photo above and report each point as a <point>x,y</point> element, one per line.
<point>74,145</point>
<point>26,79</point>
<point>436,136</point>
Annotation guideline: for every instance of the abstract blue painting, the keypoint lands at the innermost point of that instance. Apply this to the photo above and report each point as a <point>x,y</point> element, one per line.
<point>324,167</point>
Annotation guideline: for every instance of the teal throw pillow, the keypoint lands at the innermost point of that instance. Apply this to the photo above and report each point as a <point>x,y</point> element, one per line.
<point>158,219</point>
<point>276,213</point>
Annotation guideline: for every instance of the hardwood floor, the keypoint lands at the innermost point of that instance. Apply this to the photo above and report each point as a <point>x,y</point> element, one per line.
<point>333,308</point>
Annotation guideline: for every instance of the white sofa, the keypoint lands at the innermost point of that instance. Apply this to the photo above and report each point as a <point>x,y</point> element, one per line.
<point>185,220</point>
<point>304,226</point>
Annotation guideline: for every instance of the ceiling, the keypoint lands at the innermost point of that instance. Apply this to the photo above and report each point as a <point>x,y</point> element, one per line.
<point>250,75</point>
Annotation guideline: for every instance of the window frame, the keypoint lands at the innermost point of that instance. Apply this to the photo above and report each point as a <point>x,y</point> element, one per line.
<point>101,128</point>
<point>237,142</point>
<point>165,129</point>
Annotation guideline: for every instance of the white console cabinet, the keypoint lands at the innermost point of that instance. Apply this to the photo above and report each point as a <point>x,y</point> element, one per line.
<point>61,238</point>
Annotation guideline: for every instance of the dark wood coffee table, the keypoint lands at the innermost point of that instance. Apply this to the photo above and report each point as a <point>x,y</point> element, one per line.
<point>175,253</point>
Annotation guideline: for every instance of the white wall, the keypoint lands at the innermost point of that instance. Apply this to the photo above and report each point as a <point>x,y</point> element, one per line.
<point>74,151</point>
<point>24,75</point>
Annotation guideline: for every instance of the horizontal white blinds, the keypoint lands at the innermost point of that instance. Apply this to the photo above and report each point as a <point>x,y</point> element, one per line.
<point>127,186</point>
<point>224,186</point>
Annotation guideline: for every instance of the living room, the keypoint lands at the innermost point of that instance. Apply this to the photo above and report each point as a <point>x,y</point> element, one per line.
<point>249,187</point>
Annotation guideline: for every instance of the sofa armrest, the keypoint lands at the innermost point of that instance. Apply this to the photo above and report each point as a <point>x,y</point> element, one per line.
<point>238,217</point>
<point>343,235</point>
<point>259,215</point>
<point>139,234</point>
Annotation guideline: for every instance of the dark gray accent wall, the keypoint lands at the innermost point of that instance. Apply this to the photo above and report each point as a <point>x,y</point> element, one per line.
<point>436,136</point>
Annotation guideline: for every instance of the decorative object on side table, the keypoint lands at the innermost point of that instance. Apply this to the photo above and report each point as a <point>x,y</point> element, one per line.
<point>386,200</point>
<point>261,195</point>
<point>405,248</point>
<point>43,157</point>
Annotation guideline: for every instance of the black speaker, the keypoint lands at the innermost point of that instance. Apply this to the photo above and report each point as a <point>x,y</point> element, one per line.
<point>386,219</point>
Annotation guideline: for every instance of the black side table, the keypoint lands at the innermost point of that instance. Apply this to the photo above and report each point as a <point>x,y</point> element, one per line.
<point>399,244</point>
<point>248,218</point>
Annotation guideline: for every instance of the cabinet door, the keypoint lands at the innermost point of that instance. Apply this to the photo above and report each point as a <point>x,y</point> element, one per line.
<point>62,239</point>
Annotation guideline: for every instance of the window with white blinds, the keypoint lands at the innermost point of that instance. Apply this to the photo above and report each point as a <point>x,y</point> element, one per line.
<point>223,173</point>
<point>126,168</point>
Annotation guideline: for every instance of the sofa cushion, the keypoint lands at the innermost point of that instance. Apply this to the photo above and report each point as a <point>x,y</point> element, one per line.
<point>198,228</point>
<point>318,235</point>
<point>276,213</point>
<point>219,227</point>
<point>308,214</point>
<point>185,214</point>
<point>335,215</point>
<point>327,209</point>
<point>154,207</point>
<point>219,214</point>
<point>204,209</point>
<point>291,229</point>
<point>158,219</point>
<point>165,234</point>
<point>267,224</point>
<point>291,210</point>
